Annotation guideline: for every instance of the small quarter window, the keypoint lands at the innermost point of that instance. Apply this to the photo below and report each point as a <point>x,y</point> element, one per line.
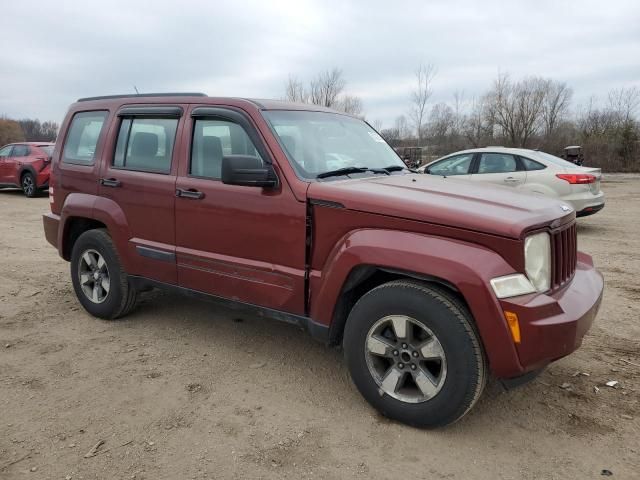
<point>83,136</point>
<point>531,164</point>
<point>213,139</point>
<point>145,144</point>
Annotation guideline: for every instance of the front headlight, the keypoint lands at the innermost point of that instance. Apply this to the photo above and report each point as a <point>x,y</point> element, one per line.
<point>537,260</point>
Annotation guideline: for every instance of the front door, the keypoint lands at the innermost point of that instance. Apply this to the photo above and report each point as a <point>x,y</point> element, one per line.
<point>140,178</point>
<point>240,243</point>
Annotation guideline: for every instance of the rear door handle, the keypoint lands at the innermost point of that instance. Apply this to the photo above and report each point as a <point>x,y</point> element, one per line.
<point>110,182</point>
<point>192,194</point>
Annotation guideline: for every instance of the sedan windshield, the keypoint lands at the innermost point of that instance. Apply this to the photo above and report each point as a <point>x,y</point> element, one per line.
<point>325,145</point>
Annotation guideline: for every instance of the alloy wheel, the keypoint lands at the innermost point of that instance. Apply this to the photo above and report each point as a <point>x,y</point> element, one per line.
<point>405,359</point>
<point>94,276</point>
<point>27,185</point>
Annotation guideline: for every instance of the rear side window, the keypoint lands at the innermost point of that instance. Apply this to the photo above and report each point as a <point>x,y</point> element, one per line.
<point>531,164</point>
<point>20,151</point>
<point>83,136</point>
<point>458,165</point>
<point>146,144</point>
<point>497,163</point>
<point>213,139</point>
<point>5,151</point>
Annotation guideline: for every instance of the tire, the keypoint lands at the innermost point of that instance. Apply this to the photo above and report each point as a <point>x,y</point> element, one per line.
<point>440,344</point>
<point>115,297</point>
<point>28,184</point>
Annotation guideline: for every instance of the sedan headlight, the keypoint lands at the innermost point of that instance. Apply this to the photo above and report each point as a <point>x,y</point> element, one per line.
<point>537,260</point>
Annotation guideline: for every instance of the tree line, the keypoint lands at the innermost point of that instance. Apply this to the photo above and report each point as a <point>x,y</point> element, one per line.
<point>27,130</point>
<point>531,112</point>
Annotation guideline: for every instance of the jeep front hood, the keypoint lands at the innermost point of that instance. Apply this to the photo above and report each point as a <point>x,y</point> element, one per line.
<point>446,201</point>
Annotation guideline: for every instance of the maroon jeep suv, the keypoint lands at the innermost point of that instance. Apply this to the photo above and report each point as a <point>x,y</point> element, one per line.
<point>26,165</point>
<point>307,216</point>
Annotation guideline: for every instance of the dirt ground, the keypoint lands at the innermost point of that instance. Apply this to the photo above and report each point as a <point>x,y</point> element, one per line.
<point>180,389</point>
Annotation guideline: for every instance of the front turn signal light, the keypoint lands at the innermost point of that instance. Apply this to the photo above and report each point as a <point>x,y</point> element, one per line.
<point>514,325</point>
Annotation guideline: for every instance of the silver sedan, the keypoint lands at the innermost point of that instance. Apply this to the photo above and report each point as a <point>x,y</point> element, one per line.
<point>526,170</point>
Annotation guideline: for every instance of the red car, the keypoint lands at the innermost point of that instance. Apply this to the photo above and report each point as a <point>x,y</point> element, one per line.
<point>26,165</point>
<point>306,215</point>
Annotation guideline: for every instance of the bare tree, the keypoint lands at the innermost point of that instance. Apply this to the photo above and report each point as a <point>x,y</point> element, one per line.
<point>349,104</point>
<point>295,91</point>
<point>441,123</point>
<point>557,100</point>
<point>420,96</point>
<point>402,126</point>
<point>516,107</point>
<point>478,128</point>
<point>377,124</point>
<point>326,88</point>
<point>624,102</point>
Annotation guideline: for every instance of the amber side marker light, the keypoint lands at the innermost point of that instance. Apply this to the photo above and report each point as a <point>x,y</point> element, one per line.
<point>514,325</point>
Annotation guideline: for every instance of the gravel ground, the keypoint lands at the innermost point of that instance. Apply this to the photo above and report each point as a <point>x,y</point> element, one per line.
<point>180,389</point>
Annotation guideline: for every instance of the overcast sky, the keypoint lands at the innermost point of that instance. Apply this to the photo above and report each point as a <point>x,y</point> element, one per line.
<point>52,52</point>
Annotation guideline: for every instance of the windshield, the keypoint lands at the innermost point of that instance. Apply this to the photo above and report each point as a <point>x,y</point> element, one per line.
<point>556,160</point>
<point>319,142</point>
<point>48,149</point>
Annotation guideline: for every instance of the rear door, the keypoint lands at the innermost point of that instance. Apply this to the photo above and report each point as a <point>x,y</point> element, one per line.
<point>13,164</point>
<point>237,242</point>
<point>500,169</point>
<point>5,154</point>
<point>140,177</point>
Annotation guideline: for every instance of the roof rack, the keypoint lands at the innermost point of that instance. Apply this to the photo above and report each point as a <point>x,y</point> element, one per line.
<point>137,95</point>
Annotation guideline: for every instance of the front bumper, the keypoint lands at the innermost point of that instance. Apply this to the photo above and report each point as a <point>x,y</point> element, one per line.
<point>553,325</point>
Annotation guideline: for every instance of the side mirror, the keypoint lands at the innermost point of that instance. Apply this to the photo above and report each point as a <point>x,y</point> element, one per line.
<point>247,171</point>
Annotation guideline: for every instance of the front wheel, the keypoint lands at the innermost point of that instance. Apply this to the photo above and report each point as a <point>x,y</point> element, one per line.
<point>28,184</point>
<point>100,282</point>
<point>413,353</point>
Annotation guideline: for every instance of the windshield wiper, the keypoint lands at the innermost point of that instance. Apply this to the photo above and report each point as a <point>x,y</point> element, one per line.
<point>348,170</point>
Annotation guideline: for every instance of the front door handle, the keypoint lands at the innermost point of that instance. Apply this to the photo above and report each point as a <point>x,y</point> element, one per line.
<point>511,180</point>
<point>110,182</point>
<point>192,194</point>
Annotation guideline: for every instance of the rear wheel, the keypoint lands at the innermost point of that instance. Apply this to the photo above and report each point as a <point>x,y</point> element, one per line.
<point>413,352</point>
<point>28,183</point>
<point>100,283</point>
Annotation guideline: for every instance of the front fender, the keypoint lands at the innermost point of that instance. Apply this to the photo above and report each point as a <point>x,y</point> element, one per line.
<point>466,266</point>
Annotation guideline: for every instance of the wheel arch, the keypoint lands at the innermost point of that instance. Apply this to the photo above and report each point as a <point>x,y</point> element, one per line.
<point>365,258</point>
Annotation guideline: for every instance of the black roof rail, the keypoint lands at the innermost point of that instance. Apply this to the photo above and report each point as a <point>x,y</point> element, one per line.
<point>138,95</point>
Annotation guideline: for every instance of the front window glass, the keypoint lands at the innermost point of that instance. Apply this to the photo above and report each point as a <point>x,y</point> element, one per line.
<point>458,165</point>
<point>5,151</point>
<point>82,139</point>
<point>319,142</point>
<point>213,139</point>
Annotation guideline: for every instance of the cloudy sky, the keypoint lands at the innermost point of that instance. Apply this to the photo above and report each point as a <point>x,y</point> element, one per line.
<point>52,52</point>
